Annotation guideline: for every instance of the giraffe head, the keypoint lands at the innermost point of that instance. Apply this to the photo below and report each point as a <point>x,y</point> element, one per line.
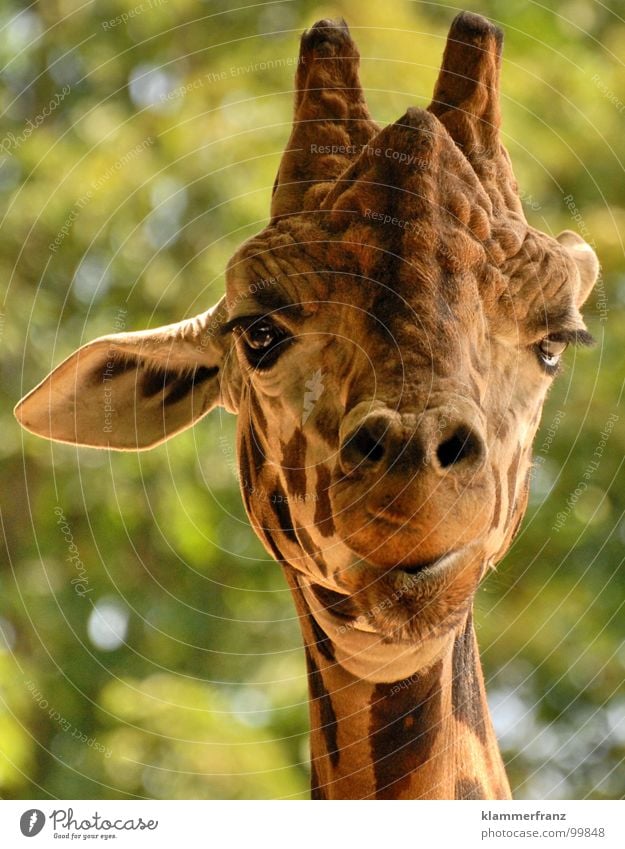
<point>387,342</point>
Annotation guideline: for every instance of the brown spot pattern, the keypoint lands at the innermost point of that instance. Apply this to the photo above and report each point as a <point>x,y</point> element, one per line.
<point>280,506</point>
<point>257,416</point>
<point>327,717</point>
<point>112,369</point>
<point>294,463</point>
<point>179,385</point>
<point>513,472</point>
<point>310,548</point>
<point>327,425</point>
<point>404,724</point>
<point>337,603</point>
<point>324,519</point>
<point>322,641</point>
<point>257,455</point>
<point>497,505</point>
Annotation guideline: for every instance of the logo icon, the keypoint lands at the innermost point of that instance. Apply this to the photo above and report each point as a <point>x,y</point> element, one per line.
<point>32,821</point>
<point>314,391</point>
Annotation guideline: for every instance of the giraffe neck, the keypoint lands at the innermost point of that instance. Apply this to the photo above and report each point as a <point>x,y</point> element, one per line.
<point>426,735</point>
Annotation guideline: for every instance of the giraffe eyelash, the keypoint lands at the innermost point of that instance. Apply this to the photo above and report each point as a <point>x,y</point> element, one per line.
<point>242,322</point>
<point>574,337</point>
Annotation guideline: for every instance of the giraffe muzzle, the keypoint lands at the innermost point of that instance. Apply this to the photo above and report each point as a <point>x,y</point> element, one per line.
<point>387,443</point>
<point>409,488</point>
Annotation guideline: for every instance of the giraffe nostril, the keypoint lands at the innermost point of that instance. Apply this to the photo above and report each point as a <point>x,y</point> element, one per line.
<point>364,447</point>
<point>369,447</point>
<point>463,445</point>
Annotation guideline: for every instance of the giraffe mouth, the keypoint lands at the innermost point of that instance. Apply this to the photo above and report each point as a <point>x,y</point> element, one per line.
<point>414,600</point>
<point>416,568</point>
<point>448,561</point>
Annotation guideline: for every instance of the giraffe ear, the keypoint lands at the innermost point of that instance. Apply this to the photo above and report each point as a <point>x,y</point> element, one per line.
<point>132,391</point>
<point>585,260</point>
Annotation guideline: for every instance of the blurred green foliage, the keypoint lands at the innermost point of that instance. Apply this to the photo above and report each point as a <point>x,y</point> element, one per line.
<point>179,673</point>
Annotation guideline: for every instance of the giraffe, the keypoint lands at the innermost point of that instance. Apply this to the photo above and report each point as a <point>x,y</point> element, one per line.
<point>387,342</point>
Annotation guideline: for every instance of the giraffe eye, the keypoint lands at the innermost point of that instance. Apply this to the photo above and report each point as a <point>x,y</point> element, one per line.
<point>550,349</point>
<point>260,337</point>
<point>263,342</point>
